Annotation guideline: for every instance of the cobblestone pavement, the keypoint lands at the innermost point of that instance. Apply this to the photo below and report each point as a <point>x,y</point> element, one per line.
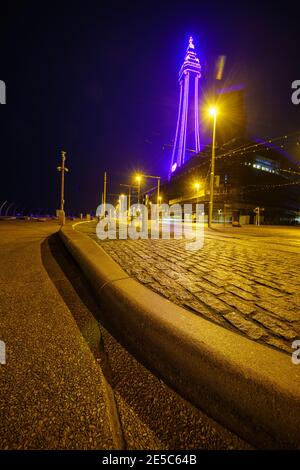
<point>247,282</point>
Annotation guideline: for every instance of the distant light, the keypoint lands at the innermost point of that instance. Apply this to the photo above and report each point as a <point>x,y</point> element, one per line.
<point>174,166</point>
<point>138,178</point>
<point>197,186</point>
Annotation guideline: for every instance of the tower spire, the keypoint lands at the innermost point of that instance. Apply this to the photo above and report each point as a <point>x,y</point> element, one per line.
<point>191,43</point>
<point>187,134</point>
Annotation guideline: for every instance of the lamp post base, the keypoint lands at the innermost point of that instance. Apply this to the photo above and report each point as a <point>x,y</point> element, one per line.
<point>61,217</point>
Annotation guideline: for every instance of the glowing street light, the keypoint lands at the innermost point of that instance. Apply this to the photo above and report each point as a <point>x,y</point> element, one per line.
<point>197,186</point>
<point>138,179</point>
<point>213,111</point>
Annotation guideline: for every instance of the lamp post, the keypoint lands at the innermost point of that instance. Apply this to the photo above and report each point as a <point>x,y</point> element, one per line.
<point>158,190</point>
<point>129,186</point>
<point>121,201</point>
<point>138,179</point>
<point>158,198</point>
<point>197,187</point>
<point>62,169</point>
<point>213,112</point>
<point>104,193</point>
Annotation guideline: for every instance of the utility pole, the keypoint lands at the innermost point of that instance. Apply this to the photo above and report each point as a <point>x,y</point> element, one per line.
<point>225,212</point>
<point>104,193</point>
<point>257,215</point>
<point>158,190</point>
<point>129,199</point>
<point>62,169</point>
<point>129,186</point>
<point>138,178</point>
<point>212,173</point>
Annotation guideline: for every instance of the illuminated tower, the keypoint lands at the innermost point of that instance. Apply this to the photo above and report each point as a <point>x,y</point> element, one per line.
<point>187,137</point>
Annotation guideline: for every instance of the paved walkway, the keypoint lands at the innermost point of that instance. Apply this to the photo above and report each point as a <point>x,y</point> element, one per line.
<point>246,279</point>
<point>53,393</point>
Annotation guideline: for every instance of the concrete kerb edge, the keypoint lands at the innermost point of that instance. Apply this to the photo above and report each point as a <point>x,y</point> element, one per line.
<point>248,387</point>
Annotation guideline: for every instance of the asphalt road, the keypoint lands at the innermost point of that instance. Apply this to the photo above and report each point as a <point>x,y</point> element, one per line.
<point>67,383</point>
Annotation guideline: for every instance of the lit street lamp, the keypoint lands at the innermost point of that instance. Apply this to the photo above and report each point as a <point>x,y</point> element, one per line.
<point>197,187</point>
<point>138,179</point>
<point>213,112</point>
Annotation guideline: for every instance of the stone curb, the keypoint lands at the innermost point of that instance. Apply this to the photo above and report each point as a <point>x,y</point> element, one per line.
<point>249,388</point>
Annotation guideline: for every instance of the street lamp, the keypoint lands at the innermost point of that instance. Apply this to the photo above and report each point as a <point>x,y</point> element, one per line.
<point>122,202</point>
<point>197,187</point>
<point>213,112</point>
<point>63,169</point>
<point>138,179</point>
<point>129,186</point>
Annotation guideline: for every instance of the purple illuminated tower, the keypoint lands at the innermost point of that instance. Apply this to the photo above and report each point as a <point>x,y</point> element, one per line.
<point>187,137</point>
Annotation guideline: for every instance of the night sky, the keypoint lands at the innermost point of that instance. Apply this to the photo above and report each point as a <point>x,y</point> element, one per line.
<point>99,80</point>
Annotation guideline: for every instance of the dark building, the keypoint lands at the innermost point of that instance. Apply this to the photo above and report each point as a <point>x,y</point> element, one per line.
<point>247,175</point>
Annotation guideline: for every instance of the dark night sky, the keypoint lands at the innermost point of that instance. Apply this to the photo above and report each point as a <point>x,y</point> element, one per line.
<point>100,81</point>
